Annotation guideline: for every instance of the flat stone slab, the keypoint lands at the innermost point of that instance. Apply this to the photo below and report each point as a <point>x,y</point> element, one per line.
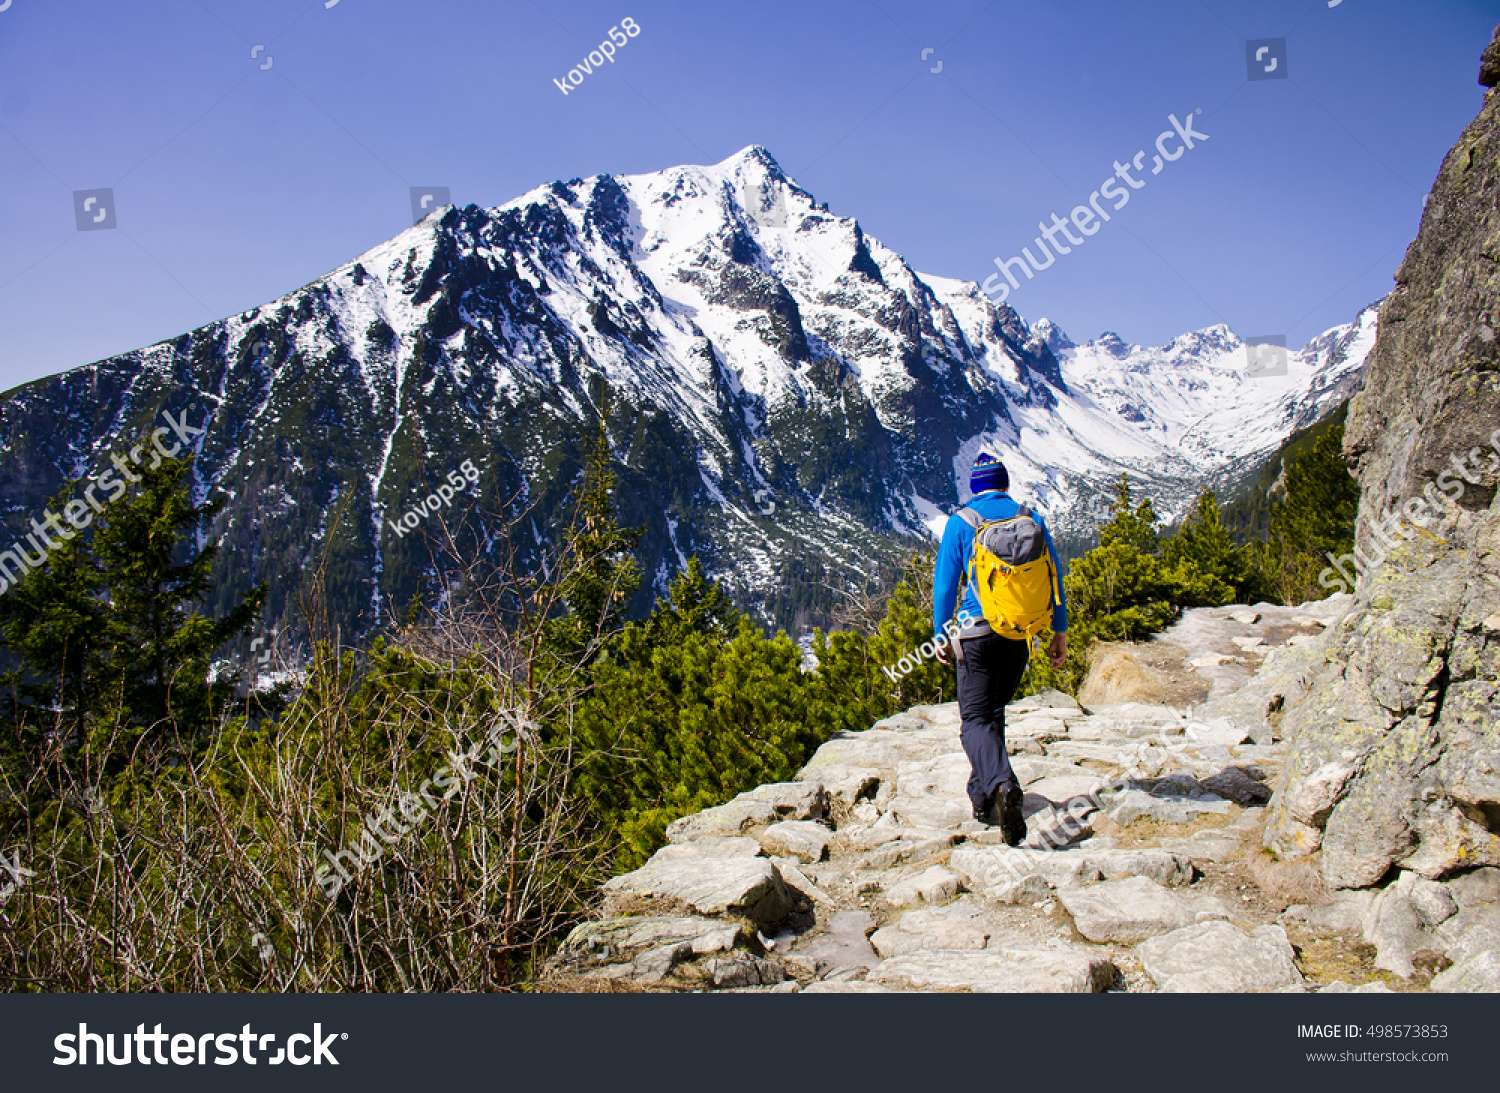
<point>936,885</point>
<point>992,869</point>
<point>1220,731</point>
<point>1479,974</point>
<point>751,887</point>
<point>1213,845</point>
<point>712,846</point>
<point>646,949</point>
<point>956,927</point>
<point>805,840</point>
<point>850,784</point>
<point>1343,914</point>
<point>1062,788</point>
<point>906,849</point>
<point>1220,958</point>
<point>737,817</point>
<point>1135,804</point>
<point>846,986</point>
<point>804,800</point>
<point>1049,699</point>
<point>1006,971</point>
<point>1134,909</point>
<point>756,808</point>
<point>843,946</point>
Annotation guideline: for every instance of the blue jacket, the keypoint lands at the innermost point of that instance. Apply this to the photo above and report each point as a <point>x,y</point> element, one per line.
<point>953,562</point>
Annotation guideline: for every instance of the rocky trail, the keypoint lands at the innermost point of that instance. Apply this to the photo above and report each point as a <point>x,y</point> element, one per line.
<point>1143,869</point>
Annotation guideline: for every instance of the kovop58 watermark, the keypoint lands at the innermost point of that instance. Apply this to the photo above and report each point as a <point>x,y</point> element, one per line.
<point>618,36</point>
<point>909,662</point>
<point>80,513</point>
<point>438,500</point>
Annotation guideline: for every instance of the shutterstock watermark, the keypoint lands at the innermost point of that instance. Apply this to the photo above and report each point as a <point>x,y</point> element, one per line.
<point>15,560</point>
<point>186,1049</point>
<point>910,662</point>
<point>1087,218</point>
<point>1395,526</point>
<point>434,501</point>
<point>618,36</point>
<point>450,779</point>
<point>1265,355</point>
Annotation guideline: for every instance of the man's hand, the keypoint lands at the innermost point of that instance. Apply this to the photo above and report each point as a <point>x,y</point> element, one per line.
<point>1057,650</point>
<point>941,651</point>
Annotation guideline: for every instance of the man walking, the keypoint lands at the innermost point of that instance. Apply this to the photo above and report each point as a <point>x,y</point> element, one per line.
<point>991,660</point>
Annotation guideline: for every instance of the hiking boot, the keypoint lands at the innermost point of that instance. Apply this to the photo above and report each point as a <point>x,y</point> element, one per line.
<point>1012,823</point>
<point>985,813</point>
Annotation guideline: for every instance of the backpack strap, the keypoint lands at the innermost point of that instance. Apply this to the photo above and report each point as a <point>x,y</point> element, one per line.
<point>975,521</point>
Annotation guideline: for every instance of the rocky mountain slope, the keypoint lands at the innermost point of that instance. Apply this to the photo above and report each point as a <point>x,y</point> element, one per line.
<point>785,395</point>
<point>1395,760</point>
<point>1142,870</point>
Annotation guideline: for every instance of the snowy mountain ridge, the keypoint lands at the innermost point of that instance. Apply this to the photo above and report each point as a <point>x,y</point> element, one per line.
<point>784,395</point>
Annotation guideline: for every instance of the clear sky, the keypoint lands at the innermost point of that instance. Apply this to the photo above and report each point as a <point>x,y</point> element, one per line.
<point>239,177</point>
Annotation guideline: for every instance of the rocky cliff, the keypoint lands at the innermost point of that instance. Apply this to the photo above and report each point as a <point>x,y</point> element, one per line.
<point>1395,759</point>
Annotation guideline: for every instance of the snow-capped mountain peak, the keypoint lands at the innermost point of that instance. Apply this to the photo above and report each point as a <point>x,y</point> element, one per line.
<point>784,394</point>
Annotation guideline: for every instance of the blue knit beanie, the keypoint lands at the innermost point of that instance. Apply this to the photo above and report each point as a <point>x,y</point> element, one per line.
<point>988,474</point>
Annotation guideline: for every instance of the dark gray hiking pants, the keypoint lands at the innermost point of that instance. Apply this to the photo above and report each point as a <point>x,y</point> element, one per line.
<point>987,678</point>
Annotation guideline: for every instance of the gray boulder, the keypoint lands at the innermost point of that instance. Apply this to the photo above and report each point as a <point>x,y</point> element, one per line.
<point>1220,958</point>
<point>748,887</point>
<point>1134,909</point>
<point>1000,972</point>
<point>804,840</point>
<point>958,927</point>
<point>1236,785</point>
<point>647,949</point>
<point>935,885</point>
<point>991,870</point>
<point>1478,974</point>
<point>1476,887</point>
<point>1394,927</point>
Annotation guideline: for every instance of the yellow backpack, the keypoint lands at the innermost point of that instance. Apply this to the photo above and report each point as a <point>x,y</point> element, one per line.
<point>1011,572</point>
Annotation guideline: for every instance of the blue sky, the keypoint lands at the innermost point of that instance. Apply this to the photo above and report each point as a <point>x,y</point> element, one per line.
<point>236,183</point>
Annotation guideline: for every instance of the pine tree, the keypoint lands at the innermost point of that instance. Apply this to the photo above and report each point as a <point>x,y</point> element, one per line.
<point>1203,561</point>
<point>157,576</point>
<point>1118,590</point>
<point>599,575</point>
<point>1315,519</point>
<point>107,637</point>
<point>53,623</point>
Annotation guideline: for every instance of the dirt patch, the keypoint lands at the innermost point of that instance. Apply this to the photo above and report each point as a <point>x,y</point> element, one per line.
<point>1232,883</point>
<point>581,984</point>
<point>1146,832</point>
<point>1288,882</point>
<point>1325,959</point>
<point>1151,672</point>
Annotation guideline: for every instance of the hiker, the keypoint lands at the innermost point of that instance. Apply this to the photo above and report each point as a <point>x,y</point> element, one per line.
<point>1014,570</point>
